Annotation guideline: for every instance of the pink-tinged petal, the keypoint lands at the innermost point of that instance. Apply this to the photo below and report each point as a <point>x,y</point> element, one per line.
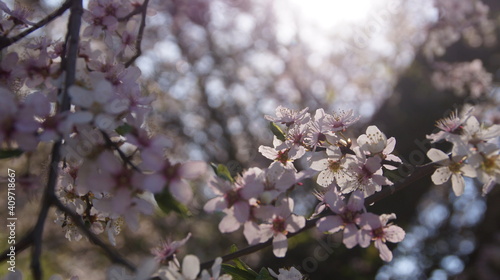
<point>319,165</point>
<point>488,186</point>
<point>181,191</point>
<point>154,183</point>
<point>80,117</point>
<point>381,180</point>
<point>109,162</point>
<point>385,218</point>
<point>296,153</point>
<point>356,201</point>
<point>468,171</point>
<point>333,201</point>
<point>458,184</point>
<point>81,97</point>
<point>266,232</point>
<point>280,245</point>
<point>229,223</point>
<point>350,236</point>
<point>190,266</point>
<point>384,252</point>
<point>364,238</point>
<point>264,212</point>
<point>394,234</point>
<point>268,152</point>
<point>369,221</point>
<point>330,224</point>
<point>325,178</point>
<point>252,190</point>
<point>373,164</point>
<point>391,144</point>
<point>251,231</point>
<point>215,204</point>
<point>241,211</point>
<point>437,155</point>
<point>286,180</point>
<point>441,175</point>
<point>39,103</point>
<point>294,223</point>
<point>192,169</point>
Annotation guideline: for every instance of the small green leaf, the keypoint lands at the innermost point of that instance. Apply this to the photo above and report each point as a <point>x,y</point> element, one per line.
<point>264,275</point>
<point>238,274</point>
<point>124,129</point>
<point>222,171</point>
<point>168,203</point>
<point>277,131</point>
<point>10,153</point>
<point>239,263</point>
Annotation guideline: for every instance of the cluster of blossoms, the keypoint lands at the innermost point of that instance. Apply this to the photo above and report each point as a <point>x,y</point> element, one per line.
<point>475,152</point>
<point>109,161</point>
<point>344,169</point>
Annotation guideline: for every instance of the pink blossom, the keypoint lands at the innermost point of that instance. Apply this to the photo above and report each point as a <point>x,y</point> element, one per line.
<point>289,117</point>
<point>346,218</point>
<point>375,228</point>
<point>167,250</point>
<point>280,221</point>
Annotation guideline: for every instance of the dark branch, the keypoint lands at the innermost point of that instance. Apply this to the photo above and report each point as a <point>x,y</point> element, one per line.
<point>140,33</point>
<point>5,42</point>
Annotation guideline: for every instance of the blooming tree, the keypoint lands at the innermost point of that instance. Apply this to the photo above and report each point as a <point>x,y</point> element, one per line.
<point>82,97</point>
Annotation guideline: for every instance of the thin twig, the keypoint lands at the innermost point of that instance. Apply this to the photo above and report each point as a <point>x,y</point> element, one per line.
<point>140,33</point>
<point>5,42</point>
<point>114,256</point>
<point>49,198</point>
<point>417,174</point>
<point>123,156</point>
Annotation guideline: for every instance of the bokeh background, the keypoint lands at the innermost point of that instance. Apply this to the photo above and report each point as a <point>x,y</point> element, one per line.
<point>217,67</point>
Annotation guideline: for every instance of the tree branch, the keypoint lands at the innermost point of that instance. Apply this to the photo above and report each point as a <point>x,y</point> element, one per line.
<point>5,42</point>
<point>140,33</point>
<point>418,173</point>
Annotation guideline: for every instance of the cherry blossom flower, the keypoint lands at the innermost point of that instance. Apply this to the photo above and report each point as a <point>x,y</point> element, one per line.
<point>167,250</point>
<point>451,127</point>
<point>17,122</point>
<point>289,117</point>
<point>340,121</point>
<point>487,164</point>
<point>454,168</point>
<point>346,218</point>
<point>99,104</point>
<point>333,167</point>
<point>235,198</point>
<point>10,69</point>
<point>287,274</point>
<point>375,228</point>
<point>280,221</point>
<point>190,269</point>
<point>374,141</point>
<point>285,156</point>
<point>175,176</point>
<point>367,175</point>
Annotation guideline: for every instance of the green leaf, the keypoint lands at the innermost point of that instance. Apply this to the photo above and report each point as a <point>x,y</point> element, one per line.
<point>10,153</point>
<point>124,129</point>
<point>277,131</point>
<point>168,203</point>
<point>240,264</point>
<point>264,275</point>
<point>238,274</point>
<point>222,171</point>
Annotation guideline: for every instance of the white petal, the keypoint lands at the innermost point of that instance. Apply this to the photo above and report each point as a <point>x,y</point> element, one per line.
<point>458,184</point>
<point>190,266</point>
<point>437,155</point>
<point>441,175</point>
<point>280,245</point>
